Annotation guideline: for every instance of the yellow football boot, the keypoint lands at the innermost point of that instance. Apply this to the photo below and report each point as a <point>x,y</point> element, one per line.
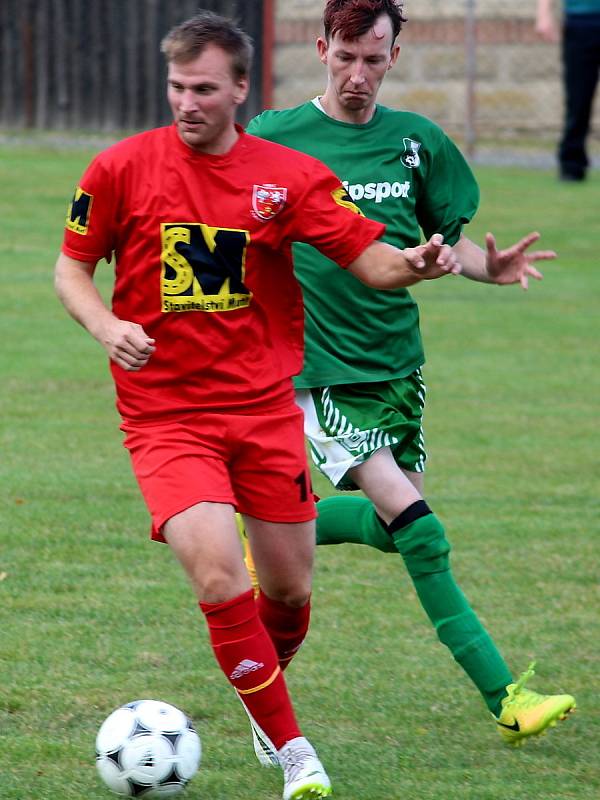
<point>526,713</point>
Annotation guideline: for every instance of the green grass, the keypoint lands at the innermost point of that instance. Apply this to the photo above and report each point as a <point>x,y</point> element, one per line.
<point>93,615</point>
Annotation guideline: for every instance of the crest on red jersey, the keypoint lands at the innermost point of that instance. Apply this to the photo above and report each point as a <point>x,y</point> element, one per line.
<point>268,200</point>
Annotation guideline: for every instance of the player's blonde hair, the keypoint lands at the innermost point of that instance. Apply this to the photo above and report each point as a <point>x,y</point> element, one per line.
<point>187,40</point>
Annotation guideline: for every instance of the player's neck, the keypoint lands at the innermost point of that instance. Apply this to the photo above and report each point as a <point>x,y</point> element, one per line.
<point>334,109</point>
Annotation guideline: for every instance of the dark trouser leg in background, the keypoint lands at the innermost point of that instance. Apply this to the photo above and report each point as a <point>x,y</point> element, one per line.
<point>581,63</point>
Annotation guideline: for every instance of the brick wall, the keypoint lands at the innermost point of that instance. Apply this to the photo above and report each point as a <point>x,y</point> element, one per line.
<point>518,91</point>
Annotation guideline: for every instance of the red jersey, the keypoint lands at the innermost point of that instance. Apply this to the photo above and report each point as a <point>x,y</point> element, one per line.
<point>202,247</point>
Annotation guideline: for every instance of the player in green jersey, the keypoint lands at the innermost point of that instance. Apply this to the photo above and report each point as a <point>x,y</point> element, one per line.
<point>361,387</point>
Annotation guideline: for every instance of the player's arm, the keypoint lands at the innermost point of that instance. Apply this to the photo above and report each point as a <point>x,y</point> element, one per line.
<point>502,267</point>
<point>383,266</point>
<point>125,342</point>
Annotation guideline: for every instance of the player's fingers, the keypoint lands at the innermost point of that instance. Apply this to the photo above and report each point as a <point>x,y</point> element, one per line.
<point>131,357</point>
<point>447,260</point>
<point>445,255</point>
<point>490,242</point>
<point>127,362</point>
<point>526,241</point>
<point>541,255</point>
<point>130,362</point>
<point>414,256</point>
<point>532,272</point>
<point>431,246</point>
<point>519,247</point>
<point>138,343</point>
<point>133,349</point>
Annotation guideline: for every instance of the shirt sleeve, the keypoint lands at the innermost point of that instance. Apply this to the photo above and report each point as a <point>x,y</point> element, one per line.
<point>253,127</point>
<point>325,217</point>
<point>88,233</point>
<point>449,194</point>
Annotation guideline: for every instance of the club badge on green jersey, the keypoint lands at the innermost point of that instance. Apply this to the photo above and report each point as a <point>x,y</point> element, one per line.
<point>410,157</point>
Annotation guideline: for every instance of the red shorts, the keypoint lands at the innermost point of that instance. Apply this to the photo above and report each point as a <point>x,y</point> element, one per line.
<point>257,463</point>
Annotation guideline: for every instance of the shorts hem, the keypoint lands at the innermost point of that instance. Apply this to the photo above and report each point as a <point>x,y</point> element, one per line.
<point>282,518</point>
<point>156,529</point>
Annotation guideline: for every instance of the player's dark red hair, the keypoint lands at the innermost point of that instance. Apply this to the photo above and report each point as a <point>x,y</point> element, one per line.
<point>353,18</point>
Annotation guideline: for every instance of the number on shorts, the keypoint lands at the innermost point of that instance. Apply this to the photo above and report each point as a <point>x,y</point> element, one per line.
<point>304,485</point>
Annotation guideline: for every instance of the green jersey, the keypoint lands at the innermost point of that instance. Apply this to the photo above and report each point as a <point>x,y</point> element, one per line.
<point>400,169</point>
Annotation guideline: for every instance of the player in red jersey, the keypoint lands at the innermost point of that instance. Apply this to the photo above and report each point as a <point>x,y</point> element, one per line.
<point>204,335</point>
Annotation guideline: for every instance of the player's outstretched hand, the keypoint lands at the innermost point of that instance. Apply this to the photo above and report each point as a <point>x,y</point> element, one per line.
<point>127,344</point>
<point>433,259</point>
<point>515,265</point>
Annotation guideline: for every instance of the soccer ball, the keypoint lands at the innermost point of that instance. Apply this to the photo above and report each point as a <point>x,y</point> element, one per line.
<point>147,749</point>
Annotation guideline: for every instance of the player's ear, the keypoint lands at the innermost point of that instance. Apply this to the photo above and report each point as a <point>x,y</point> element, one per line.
<point>322,50</point>
<point>242,86</point>
<point>394,55</point>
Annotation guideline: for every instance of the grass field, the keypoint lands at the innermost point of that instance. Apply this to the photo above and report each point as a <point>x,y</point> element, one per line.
<point>93,615</point>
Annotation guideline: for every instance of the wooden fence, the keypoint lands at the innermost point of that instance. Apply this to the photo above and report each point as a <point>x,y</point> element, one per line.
<point>96,64</point>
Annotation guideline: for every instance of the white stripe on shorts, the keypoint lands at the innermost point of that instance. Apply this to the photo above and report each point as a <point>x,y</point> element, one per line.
<point>345,446</point>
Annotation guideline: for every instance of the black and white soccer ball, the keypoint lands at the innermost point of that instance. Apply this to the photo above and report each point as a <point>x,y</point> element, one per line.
<point>147,749</point>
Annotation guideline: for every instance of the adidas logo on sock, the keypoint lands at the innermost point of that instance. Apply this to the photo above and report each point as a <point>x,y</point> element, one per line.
<point>244,667</point>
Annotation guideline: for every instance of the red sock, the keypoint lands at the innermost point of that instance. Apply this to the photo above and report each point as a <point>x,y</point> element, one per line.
<point>247,656</point>
<point>286,626</point>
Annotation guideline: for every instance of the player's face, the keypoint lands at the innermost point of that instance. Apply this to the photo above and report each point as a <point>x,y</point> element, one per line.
<point>356,67</point>
<point>204,95</point>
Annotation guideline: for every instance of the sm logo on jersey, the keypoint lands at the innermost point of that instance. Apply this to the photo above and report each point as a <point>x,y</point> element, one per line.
<point>203,268</point>
<point>78,215</point>
<point>342,198</point>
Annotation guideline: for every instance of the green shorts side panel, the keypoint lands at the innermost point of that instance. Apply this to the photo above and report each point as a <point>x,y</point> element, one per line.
<point>346,424</point>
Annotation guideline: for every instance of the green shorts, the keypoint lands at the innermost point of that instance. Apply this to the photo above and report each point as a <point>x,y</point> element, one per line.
<point>346,424</point>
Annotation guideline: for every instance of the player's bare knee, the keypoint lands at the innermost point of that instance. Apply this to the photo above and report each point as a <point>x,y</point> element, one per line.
<point>295,595</point>
<point>219,582</point>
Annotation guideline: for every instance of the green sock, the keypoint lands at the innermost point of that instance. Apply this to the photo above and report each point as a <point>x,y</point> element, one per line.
<point>348,518</point>
<point>423,546</point>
